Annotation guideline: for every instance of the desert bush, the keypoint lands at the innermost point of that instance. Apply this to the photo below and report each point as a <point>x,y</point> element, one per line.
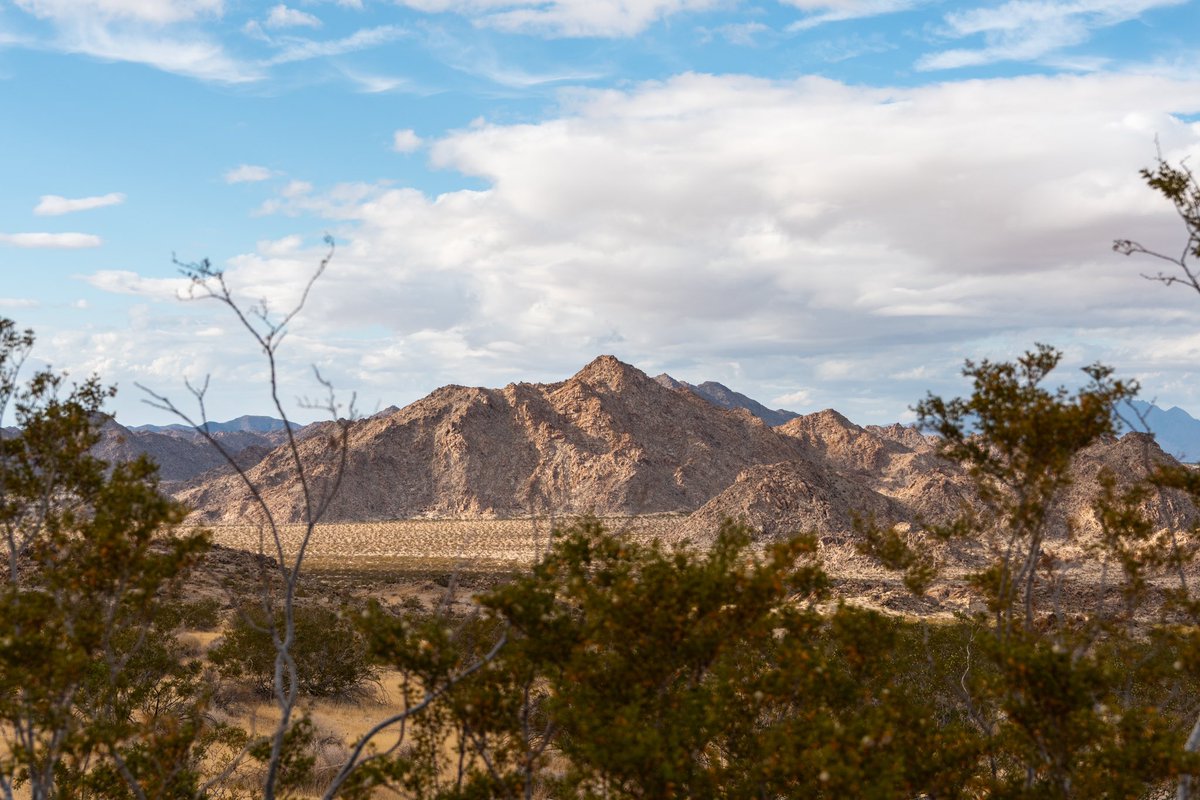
<point>203,614</point>
<point>331,655</point>
<point>653,671</point>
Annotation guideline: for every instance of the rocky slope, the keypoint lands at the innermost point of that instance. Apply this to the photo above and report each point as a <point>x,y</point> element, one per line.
<point>612,441</point>
<point>609,440</point>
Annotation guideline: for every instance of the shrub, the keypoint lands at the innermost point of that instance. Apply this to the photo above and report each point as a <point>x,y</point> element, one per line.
<point>331,656</point>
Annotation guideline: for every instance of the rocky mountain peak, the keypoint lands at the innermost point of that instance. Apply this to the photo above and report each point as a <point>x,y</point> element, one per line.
<point>611,373</point>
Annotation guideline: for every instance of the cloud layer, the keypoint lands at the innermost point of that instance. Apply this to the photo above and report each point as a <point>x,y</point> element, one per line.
<point>805,239</point>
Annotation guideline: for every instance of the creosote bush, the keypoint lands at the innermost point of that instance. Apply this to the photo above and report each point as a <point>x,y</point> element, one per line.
<point>331,656</point>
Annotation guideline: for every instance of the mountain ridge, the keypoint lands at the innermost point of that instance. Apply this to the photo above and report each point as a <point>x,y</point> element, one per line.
<point>612,441</point>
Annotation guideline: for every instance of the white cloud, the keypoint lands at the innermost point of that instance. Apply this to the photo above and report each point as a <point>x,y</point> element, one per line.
<point>281,16</point>
<point>52,205</point>
<point>743,34</point>
<point>18,302</point>
<point>249,173</point>
<point>1023,30</point>
<point>64,241</point>
<point>131,283</point>
<point>304,49</point>
<point>825,11</point>
<point>163,34</point>
<point>800,397</point>
<point>190,54</point>
<point>566,17</point>
<point>832,234</point>
<point>160,12</point>
<point>406,141</point>
<point>377,84</point>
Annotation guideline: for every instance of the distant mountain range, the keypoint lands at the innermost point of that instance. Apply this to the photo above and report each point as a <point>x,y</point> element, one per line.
<point>612,440</point>
<point>243,424</point>
<point>724,397</point>
<point>1176,431</point>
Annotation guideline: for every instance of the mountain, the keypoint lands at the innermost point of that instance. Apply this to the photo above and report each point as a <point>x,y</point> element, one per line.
<point>243,424</point>
<point>724,397</point>
<point>609,439</point>
<point>181,452</point>
<point>178,458</point>
<point>613,441</point>
<point>1177,431</point>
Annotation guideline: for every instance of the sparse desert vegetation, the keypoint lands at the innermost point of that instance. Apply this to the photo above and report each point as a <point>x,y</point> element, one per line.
<point>477,544</point>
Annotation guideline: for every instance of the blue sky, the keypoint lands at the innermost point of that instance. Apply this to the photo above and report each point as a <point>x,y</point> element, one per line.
<point>817,203</point>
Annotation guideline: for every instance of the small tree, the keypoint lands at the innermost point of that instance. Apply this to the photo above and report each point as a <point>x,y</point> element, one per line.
<point>1051,690</point>
<point>331,655</point>
<point>89,550</point>
<point>275,618</point>
<point>1179,185</point>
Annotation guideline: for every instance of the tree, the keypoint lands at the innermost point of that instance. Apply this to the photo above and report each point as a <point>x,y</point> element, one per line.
<point>330,654</point>
<point>275,619</point>
<point>1179,185</point>
<point>89,705</point>
<point>1056,693</point>
<point>640,670</point>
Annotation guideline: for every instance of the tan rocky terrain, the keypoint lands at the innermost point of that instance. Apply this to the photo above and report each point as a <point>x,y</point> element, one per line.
<point>894,475</point>
<point>608,440</point>
<point>613,441</point>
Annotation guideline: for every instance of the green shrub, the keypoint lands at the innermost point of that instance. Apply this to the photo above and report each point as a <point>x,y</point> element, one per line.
<point>331,656</point>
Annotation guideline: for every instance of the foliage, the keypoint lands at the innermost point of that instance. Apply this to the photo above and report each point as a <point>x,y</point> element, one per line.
<point>94,700</point>
<point>1018,439</point>
<point>1052,694</point>
<point>331,656</point>
<point>632,670</point>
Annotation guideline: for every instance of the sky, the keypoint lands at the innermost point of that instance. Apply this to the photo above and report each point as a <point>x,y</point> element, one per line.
<point>819,203</point>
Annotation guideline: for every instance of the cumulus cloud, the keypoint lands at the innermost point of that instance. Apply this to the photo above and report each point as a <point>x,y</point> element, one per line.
<point>281,16</point>
<point>52,205</point>
<point>64,241</point>
<point>566,17</point>
<point>249,173</point>
<point>827,232</point>
<point>406,141</point>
